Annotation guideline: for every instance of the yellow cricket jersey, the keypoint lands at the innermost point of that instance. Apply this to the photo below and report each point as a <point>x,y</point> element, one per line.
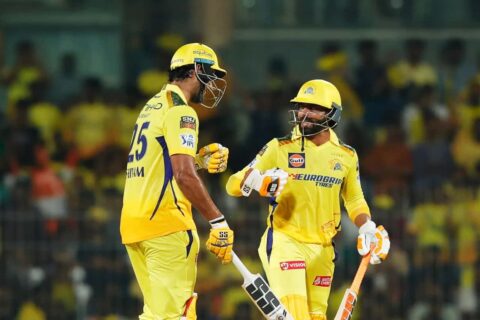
<point>153,204</point>
<point>308,209</point>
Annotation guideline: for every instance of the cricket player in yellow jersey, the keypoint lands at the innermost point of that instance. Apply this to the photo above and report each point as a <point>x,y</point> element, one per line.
<point>296,249</point>
<point>162,185</point>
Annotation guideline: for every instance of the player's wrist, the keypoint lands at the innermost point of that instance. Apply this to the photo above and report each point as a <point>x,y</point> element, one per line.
<point>200,162</point>
<point>251,182</point>
<point>219,223</point>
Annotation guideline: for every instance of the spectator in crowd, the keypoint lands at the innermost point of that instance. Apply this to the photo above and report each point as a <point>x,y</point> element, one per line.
<point>371,84</point>
<point>416,114</point>
<point>26,70</point>
<point>388,164</point>
<point>466,150</point>
<point>468,107</point>
<point>66,83</point>
<point>21,138</point>
<point>88,124</point>
<point>455,71</point>
<point>412,71</point>
<point>45,116</point>
<point>432,158</point>
<point>277,75</point>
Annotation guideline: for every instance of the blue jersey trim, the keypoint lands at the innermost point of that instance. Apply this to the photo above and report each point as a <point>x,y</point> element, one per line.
<point>190,241</point>
<point>175,198</point>
<point>168,172</point>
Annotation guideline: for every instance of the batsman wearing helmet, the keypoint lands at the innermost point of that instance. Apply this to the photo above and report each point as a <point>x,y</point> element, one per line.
<point>162,185</point>
<point>296,249</point>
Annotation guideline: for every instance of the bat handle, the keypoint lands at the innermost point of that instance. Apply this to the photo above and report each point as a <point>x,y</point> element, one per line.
<point>240,266</point>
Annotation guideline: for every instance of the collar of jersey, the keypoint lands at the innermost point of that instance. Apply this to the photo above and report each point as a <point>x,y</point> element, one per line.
<point>176,89</point>
<point>333,136</point>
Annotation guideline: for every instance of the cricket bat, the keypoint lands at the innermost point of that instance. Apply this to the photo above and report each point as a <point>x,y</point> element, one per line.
<point>261,294</point>
<point>350,297</point>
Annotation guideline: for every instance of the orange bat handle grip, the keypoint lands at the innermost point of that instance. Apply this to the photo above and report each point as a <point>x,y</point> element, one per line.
<point>362,269</point>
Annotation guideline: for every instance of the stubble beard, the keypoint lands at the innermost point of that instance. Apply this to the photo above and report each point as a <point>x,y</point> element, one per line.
<point>198,98</point>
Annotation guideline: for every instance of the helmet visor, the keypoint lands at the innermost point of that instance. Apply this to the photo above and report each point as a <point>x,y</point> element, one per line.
<point>214,85</point>
<point>310,122</point>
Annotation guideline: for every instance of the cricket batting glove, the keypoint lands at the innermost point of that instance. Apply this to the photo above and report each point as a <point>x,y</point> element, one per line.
<point>268,184</point>
<point>212,157</point>
<point>369,235</point>
<point>220,240</point>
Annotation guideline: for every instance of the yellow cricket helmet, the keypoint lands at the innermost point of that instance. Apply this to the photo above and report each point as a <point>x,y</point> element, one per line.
<point>319,92</point>
<point>192,53</point>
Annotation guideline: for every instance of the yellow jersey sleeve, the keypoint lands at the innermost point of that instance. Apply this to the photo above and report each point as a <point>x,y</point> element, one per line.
<point>352,191</point>
<point>264,160</point>
<point>181,130</point>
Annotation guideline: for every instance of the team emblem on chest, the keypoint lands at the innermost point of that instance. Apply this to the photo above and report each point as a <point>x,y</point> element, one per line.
<point>336,165</point>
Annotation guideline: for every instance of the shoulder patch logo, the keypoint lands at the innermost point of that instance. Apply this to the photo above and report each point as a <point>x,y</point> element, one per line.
<point>188,122</point>
<point>187,140</point>
<point>296,160</point>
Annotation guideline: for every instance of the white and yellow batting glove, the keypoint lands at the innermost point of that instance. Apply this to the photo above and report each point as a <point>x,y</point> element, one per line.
<point>371,236</point>
<point>220,240</point>
<point>213,157</point>
<point>268,184</point>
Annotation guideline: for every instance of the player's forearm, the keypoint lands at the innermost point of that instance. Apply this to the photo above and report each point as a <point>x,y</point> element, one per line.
<point>193,188</point>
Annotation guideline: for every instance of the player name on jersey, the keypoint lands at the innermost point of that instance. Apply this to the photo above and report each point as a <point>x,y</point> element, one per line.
<point>135,172</point>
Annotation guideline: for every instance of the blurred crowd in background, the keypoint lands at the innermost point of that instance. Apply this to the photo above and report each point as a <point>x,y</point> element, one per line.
<point>64,141</point>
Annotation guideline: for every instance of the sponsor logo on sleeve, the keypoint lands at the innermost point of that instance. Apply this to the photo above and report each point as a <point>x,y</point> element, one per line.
<point>322,281</point>
<point>292,265</point>
<point>187,140</point>
<point>188,122</point>
<point>296,160</point>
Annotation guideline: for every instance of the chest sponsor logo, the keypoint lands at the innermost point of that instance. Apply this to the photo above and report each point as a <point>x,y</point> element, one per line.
<point>188,122</point>
<point>322,281</point>
<point>320,180</point>
<point>187,140</point>
<point>296,160</point>
<point>292,265</point>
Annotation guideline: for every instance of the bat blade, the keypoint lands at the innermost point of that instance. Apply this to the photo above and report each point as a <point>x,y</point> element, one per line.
<point>346,307</point>
<point>261,294</point>
<point>350,297</point>
<point>266,301</point>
